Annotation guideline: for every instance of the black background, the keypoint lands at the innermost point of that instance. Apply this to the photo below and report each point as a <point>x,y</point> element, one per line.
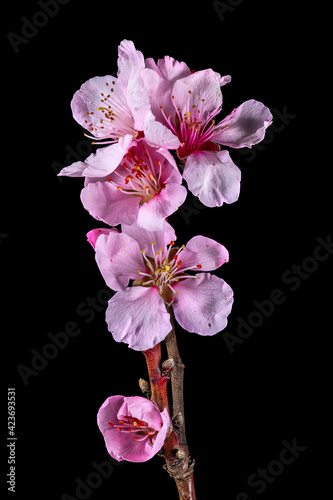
<point>241,405</point>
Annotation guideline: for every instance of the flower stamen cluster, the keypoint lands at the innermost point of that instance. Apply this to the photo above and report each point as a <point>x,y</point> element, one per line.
<point>143,179</point>
<point>114,117</point>
<point>164,270</point>
<point>193,132</point>
<point>136,426</point>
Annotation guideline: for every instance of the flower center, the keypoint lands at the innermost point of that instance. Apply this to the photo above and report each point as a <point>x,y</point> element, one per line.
<point>113,118</point>
<point>139,428</point>
<point>138,176</point>
<point>193,127</point>
<point>165,269</point>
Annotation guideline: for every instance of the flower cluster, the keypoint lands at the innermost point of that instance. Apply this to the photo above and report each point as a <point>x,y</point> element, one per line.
<point>155,125</point>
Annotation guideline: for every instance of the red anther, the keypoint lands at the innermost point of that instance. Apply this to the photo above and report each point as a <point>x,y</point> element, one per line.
<point>199,266</point>
<point>110,179</point>
<point>142,423</point>
<point>121,422</point>
<point>119,429</point>
<point>119,188</point>
<point>130,154</point>
<point>175,257</point>
<point>110,423</point>
<point>172,243</point>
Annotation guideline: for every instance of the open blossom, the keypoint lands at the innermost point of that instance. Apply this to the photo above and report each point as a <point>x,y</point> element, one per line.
<point>145,188</point>
<point>133,427</point>
<point>113,110</point>
<point>187,104</point>
<point>159,274</point>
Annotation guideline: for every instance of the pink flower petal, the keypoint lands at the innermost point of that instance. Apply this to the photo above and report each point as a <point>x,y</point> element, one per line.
<point>159,80</point>
<point>86,101</point>
<point>224,80</point>
<point>205,252</point>
<point>106,159</point>
<point>138,317</point>
<point>105,202</point>
<point>108,412</point>
<point>144,238</point>
<point>158,134</point>
<point>159,93</point>
<point>246,125</point>
<point>202,90</point>
<point>129,60</point>
<point>172,175</point>
<point>152,213</point>
<point>119,258</point>
<point>94,234</point>
<point>101,163</point>
<point>171,69</point>
<point>130,64</point>
<point>213,177</point>
<point>137,99</point>
<point>203,305</point>
<point>76,169</point>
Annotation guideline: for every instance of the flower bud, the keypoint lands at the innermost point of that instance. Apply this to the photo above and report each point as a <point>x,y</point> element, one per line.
<point>177,420</point>
<point>180,454</point>
<point>144,386</point>
<point>167,367</point>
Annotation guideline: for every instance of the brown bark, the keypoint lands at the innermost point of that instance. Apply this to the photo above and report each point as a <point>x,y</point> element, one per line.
<point>175,450</point>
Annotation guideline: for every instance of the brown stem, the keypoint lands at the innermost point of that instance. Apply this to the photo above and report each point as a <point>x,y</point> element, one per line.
<point>175,449</point>
<point>177,378</point>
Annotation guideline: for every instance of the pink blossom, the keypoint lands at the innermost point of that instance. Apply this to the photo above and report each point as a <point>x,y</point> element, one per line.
<point>133,427</point>
<point>187,104</point>
<point>113,110</point>
<point>149,272</point>
<point>145,188</point>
